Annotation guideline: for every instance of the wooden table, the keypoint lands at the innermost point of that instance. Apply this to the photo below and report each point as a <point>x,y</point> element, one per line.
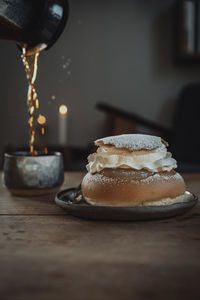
<point>46,254</point>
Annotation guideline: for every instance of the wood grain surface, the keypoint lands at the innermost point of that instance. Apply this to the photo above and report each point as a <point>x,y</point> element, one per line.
<point>46,254</point>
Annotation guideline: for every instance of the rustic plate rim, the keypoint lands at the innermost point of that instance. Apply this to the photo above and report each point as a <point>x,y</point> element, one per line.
<point>194,200</point>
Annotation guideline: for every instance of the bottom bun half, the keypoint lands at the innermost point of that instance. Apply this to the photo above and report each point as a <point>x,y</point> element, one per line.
<point>126,187</point>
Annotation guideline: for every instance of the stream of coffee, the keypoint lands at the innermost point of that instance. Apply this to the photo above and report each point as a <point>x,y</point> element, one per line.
<point>31,64</point>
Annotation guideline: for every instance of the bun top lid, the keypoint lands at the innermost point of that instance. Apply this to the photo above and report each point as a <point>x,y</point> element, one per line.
<point>132,141</point>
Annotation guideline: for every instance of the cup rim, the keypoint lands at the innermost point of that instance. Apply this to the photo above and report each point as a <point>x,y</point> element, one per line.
<point>26,154</point>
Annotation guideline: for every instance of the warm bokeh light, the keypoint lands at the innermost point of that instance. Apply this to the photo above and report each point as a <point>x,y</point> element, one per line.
<point>32,110</point>
<point>42,131</point>
<point>63,109</point>
<point>41,120</point>
<point>37,103</point>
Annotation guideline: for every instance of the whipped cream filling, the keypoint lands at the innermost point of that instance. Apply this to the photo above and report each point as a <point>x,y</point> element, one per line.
<point>155,161</point>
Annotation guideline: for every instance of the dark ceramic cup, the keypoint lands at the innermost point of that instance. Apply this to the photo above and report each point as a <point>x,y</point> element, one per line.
<point>26,175</point>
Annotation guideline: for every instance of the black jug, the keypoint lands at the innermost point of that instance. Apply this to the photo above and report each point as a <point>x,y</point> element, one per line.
<point>34,24</point>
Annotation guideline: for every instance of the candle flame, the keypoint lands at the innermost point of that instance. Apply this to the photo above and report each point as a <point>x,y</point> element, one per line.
<point>63,109</point>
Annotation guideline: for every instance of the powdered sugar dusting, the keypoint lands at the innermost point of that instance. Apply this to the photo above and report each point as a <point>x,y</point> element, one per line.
<point>166,201</point>
<point>132,141</point>
<point>99,178</point>
<point>166,177</point>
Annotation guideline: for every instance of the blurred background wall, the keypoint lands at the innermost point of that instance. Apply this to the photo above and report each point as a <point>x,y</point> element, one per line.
<point>119,52</point>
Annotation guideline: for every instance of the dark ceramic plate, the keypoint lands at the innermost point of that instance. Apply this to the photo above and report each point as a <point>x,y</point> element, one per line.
<point>74,204</point>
